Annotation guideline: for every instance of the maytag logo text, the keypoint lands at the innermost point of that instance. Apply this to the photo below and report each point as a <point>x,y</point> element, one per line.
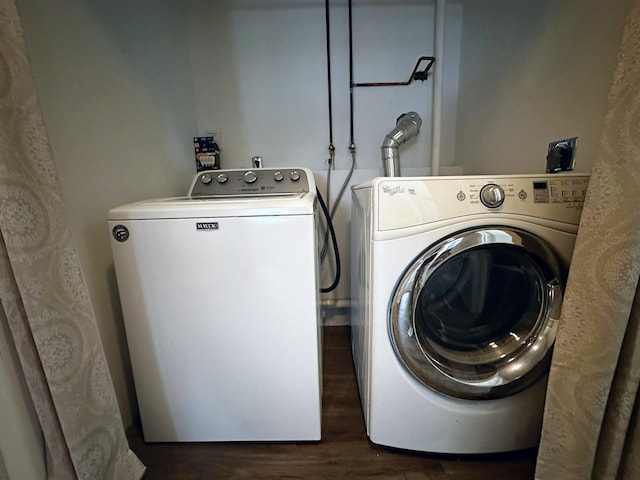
<point>207,225</point>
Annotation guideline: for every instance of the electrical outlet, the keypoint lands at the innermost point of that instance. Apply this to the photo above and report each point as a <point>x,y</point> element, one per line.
<point>561,155</point>
<point>207,152</point>
<point>217,136</point>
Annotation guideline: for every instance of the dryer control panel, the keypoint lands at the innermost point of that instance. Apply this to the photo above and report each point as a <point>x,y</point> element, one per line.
<point>250,183</point>
<point>493,193</point>
<point>412,201</point>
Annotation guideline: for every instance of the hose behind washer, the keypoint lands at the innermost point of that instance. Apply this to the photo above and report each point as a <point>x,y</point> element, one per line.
<point>334,243</point>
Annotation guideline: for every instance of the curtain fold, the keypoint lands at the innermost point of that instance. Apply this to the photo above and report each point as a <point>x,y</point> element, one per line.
<point>590,426</point>
<point>617,423</point>
<point>4,475</point>
<point>42,288</point>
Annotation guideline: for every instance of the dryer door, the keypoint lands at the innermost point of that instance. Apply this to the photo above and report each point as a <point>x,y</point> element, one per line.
<point>475,315</point>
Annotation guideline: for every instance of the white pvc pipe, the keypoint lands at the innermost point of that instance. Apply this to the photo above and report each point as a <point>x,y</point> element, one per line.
<point>436,118</point>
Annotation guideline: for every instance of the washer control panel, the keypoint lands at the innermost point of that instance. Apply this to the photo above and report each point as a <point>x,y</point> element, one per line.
<point>250,183</point>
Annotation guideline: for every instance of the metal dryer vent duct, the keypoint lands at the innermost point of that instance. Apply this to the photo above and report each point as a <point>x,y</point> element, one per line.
<point>407,126</point>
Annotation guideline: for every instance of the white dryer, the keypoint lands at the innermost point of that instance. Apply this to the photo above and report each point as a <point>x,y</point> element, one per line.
<point>457,285</point>
<point>219,292</point>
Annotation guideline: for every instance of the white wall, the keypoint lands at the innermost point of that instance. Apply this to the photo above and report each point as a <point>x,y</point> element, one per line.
<point>259,70</point>
<point>125,85</point>
<point>532,73</point>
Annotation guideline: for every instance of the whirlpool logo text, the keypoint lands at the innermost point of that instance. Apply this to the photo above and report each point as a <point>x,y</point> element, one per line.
<point>393,189</point>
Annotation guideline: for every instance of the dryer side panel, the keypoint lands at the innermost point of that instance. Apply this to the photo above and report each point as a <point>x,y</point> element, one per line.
<point>361,224</point>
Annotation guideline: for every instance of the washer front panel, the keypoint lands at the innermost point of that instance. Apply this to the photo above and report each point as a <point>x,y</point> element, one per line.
<point>475,315</point>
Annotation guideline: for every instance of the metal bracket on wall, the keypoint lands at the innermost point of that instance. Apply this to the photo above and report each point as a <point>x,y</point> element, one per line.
<point>415,75</point>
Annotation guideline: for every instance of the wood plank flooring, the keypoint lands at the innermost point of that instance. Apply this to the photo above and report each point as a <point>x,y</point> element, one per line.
<point>344,452</point>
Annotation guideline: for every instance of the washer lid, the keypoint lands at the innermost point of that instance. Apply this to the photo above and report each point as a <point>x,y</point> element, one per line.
<point>188,207</point>
<point>475,315</point>
<point>232,193</point>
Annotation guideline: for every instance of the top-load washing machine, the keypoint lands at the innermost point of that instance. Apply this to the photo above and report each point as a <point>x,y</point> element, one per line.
<point>220,296</point>
<point>457,285</point>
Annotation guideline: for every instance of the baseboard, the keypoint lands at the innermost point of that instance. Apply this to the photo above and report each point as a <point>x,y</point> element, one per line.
<point>335,312</point>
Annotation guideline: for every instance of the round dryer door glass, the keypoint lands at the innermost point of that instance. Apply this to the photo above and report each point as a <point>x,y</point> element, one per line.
<point>475,315</point>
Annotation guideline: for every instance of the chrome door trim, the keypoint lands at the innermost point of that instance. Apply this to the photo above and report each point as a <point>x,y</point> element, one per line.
<point>503,367</point>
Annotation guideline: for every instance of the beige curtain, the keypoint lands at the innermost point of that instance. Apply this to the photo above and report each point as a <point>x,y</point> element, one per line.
<point>43,292</point>
<point>4,475</point>
<point>590,427</point>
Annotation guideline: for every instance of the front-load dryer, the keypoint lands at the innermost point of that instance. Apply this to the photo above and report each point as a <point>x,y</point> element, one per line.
<point>220,298</point>
<point>457,285</point>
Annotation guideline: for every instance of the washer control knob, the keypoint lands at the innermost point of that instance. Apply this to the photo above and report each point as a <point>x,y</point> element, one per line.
<point>250,176</point>
<point>492,195</point>
<point>205,178</point>
<point>222,178</point>
<point>278,176</point>
<point>294,175</point>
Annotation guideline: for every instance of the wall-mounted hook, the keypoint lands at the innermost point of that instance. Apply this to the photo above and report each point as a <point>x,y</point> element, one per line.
<point>415,75</point>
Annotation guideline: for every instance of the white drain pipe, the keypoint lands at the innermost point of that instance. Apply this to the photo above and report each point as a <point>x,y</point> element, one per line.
<point>438,71</point>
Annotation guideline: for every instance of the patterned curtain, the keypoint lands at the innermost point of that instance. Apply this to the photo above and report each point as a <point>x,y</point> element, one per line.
<point>42,289</point>
<point>590,428</point>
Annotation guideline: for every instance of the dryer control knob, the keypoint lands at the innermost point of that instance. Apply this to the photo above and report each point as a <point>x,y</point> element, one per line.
<point>492,195</point>
<point>205,178</point>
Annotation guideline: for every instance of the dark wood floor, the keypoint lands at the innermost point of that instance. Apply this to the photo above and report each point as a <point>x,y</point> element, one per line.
<point>344,451</point>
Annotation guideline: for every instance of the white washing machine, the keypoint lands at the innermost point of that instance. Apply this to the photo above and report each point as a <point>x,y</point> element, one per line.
<point>220,297</point>
<point>457,285</point>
